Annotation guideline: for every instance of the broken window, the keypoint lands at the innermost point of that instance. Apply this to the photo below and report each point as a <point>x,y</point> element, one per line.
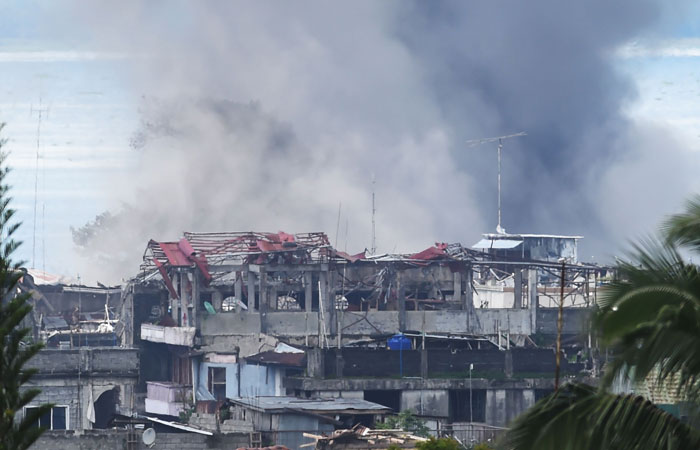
<point>54,419</point>
<point>217,382</point>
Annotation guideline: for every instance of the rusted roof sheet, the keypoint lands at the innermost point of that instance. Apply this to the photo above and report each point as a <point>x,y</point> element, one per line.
<point>174,255</point>
<point>272,357</point>
<point>439,251</point>
<point>348,257</point>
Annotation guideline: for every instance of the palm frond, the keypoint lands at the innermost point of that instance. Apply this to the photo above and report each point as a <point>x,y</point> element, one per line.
<point>579,417</point>
<point>684,228</point>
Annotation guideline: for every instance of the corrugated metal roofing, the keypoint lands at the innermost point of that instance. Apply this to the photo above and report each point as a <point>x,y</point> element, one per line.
<point>497,243</point>
<point>326,405</point>
<point>520,236</point>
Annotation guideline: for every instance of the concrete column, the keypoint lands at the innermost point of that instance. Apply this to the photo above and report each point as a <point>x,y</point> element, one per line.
<point>518,289</point>
<point>468,292</point>
<point>217,298</point>
<point>532,298</point>
<point>195,318</point>
<point>401,292</point>
<point>251,291</point>
<point>238,287</point>
<point>496,407</point>
<point>457,287</point>
<point>508,363</point>
<point>339,363</point>
<point>424,363</point>
<point>263,294</point>
<point>308,290</point>
<point>315,364</point>
<point>184,300</point>
<point>174,302</point>
<point>323,301</point>
<point>262,290</point>
<point>332,312</point>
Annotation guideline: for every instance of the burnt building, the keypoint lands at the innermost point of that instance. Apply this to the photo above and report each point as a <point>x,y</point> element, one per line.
<point>211,311</point>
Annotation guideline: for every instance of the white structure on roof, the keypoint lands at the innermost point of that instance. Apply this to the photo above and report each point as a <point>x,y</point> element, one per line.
<point>542,247</point>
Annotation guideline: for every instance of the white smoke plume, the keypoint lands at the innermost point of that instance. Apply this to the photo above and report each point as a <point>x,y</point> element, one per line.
<point>267,115</point>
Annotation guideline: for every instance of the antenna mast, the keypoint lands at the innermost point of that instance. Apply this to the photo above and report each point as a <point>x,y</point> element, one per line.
<point>499,139</point>
<point>40,110</point>
<point>374,232</point>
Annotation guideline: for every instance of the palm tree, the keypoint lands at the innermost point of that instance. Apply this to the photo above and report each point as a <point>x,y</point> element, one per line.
<point>650,319</point>
<point>16,431</point>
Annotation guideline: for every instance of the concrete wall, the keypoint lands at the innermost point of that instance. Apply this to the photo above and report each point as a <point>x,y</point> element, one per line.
<point>576,320</point>
<point>117,440</point>
<point>513,321</point>
<point>443,363</point>
<point>113,361</point>
<point>230,323</point>
<point>480,321</point>
<point>426,402</point>
<point>504,405</point>
<point>76,395</point>
<point>75,378</point>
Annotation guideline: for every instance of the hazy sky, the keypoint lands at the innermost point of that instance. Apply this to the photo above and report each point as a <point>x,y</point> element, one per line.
<point>245,115</point>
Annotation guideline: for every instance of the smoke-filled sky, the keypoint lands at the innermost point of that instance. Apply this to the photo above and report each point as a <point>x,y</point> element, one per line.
<point>210,116</point>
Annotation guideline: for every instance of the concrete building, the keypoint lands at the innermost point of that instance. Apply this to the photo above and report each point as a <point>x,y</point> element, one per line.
<point>88,386</point>
<point>216,318</point>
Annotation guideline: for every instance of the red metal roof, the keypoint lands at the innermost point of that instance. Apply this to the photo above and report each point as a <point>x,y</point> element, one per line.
<point>439,251</point>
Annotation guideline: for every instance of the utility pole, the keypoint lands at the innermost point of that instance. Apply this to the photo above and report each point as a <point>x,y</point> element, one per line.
<point>499,139</point>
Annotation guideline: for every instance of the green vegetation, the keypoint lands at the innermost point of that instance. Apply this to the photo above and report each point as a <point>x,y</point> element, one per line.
<point>439,444</point>
<point>405,421</point>
<point>16,432</point>
<point>650,317</point>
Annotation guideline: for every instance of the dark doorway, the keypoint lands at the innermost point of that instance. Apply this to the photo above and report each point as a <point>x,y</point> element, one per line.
<point>466,407</point>
<point>105,408</point>
<point>389,398</point>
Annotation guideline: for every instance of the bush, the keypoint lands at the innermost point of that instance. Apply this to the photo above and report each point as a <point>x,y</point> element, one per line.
<point>439,444</point>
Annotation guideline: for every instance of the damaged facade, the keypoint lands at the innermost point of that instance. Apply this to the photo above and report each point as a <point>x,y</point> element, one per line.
<point>224,326</point>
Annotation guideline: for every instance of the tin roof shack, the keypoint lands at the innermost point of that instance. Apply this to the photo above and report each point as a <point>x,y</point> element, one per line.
<point>219,376</point>
<point>284,420</point>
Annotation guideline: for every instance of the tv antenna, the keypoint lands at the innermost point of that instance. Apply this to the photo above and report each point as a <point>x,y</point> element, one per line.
<point>499,139</point>
<point>41,111</point>
<point>374,230</point>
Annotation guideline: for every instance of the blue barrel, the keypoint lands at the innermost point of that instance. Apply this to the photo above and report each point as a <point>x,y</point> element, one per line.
<point>399,342</point>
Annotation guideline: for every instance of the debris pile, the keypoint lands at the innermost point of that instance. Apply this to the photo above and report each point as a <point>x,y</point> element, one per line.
<point>360,437</point>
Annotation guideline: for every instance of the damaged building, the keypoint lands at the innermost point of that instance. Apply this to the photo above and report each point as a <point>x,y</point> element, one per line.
<point>84,371</point>
<point>224,316</point>
<point>263,337</point>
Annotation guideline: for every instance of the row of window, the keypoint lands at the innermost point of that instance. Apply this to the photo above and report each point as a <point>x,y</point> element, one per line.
<point>55,419</point>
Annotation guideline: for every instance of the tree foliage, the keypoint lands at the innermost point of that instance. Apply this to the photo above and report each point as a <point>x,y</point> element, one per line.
<point>405,421</point>
<point>439,444</point>
<point>650,318</point>
<point>17,431</point>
